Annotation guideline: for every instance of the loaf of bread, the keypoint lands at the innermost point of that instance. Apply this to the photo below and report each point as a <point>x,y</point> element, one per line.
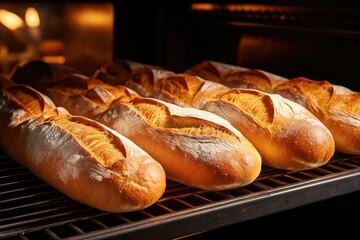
<point>121,70</point>
<point>82,158</point>
<point>42,74</point>
<point>286,135</point>
<point>213,70</point>
<point>336,106</point>
<point>142,78</point>
<point>195,147</point>
<point>236,76</point>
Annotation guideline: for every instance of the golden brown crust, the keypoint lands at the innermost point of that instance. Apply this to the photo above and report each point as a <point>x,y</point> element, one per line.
<point>184,141</point>
<point>260,117</point>
<point>213,70</point>
<point>184,150</point>
<point>235,76</point>
<point>40,73</point>
<point>253,79</point>
<point>286,134</point>
<point>179,89</point>
<point>145,81</point>
<point>279,128</point>
<point>140,77</point>
<point>337,107</point>
<point>119,71</point>
<point>187,141</point>
<point>77,155</point>
<point>87,97</point>
<point>22,102</point>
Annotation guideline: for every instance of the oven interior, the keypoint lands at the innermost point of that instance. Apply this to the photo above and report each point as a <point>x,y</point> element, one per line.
<point>289,38</point>
<point>315,39</point>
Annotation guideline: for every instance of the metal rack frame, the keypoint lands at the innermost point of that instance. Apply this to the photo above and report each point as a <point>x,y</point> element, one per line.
<point>31,209</point>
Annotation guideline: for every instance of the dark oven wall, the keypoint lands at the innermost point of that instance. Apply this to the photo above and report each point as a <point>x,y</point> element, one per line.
<point>319,40</point>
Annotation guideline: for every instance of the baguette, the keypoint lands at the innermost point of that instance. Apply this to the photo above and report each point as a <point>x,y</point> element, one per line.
<point>336,106</point>
<point>286,135</point>
<point>195,147</point>
<point>80,157</point>
<point>142,78</point>
<point>235,76</point>
<point>41,74</point>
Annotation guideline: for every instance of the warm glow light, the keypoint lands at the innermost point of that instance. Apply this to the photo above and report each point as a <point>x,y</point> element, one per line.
<point>93,18</point>
<point>235,7</point>
<point>225,7</point>
<point>205,7</point>
<point>54,59</point>
<point>32,18</point>
<point>242,7</point>
<point>10,20</point>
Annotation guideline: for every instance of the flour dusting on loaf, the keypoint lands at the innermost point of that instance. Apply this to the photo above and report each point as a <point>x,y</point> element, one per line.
<point>335,106</point>
<point>199,142</point>
<point>75,154</point>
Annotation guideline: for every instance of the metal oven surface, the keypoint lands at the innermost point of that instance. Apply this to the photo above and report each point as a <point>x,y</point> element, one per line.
<point>31,209</point>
